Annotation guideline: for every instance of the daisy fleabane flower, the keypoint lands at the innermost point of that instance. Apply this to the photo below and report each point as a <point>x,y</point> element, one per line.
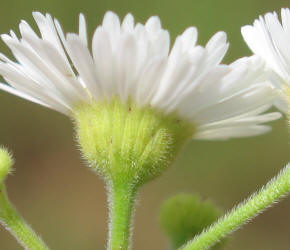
<point>270,39</point>
<point>134,101</point>
<point>135,62</point>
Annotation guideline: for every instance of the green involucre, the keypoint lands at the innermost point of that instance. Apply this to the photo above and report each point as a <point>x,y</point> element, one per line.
<point>185,215</point>
<point>125,142</point>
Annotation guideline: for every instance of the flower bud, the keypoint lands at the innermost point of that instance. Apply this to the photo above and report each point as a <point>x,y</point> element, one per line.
<point>184,216</point>
<point>6,163</point>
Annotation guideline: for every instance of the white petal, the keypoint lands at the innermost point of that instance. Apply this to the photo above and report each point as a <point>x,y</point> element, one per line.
<point>218,39</point>
<point>227,133</point>
<point>153,24</point>
<point>104,62</point>
<point>83,29</point>
<point>84,64</point>
<point>133,62</point>
<point>242,121</point>
<point>128,23</point>
<point>237,104</point>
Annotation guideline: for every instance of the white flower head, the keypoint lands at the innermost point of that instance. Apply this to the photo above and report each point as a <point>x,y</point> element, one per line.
<point>270,39</point>
<point>135,61</point>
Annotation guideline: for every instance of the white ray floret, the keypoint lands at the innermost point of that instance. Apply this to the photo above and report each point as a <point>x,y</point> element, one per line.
<point>270,39</point>
<point>134,61</point>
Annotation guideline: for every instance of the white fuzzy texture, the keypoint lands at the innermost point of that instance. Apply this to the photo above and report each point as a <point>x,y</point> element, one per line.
<point>270,39</point>
<point>135,61</point>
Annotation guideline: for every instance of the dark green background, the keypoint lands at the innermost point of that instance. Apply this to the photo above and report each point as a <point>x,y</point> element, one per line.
<point>66,203</point>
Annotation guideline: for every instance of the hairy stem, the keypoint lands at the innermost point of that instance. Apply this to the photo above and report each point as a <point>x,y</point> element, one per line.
<point>268,195</point>
<point>122,202</point>
<point>16,225</point>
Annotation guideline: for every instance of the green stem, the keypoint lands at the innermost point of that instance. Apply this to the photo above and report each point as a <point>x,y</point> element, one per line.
<point>16,225</point>
<point>268,195</point>
<point>121,201</point>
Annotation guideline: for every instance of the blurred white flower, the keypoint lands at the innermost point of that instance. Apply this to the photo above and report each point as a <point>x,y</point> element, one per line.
<point>270,39</point>
<point>135,61</point>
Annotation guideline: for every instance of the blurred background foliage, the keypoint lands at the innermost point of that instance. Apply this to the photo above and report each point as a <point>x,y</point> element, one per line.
<point>66,203</point>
